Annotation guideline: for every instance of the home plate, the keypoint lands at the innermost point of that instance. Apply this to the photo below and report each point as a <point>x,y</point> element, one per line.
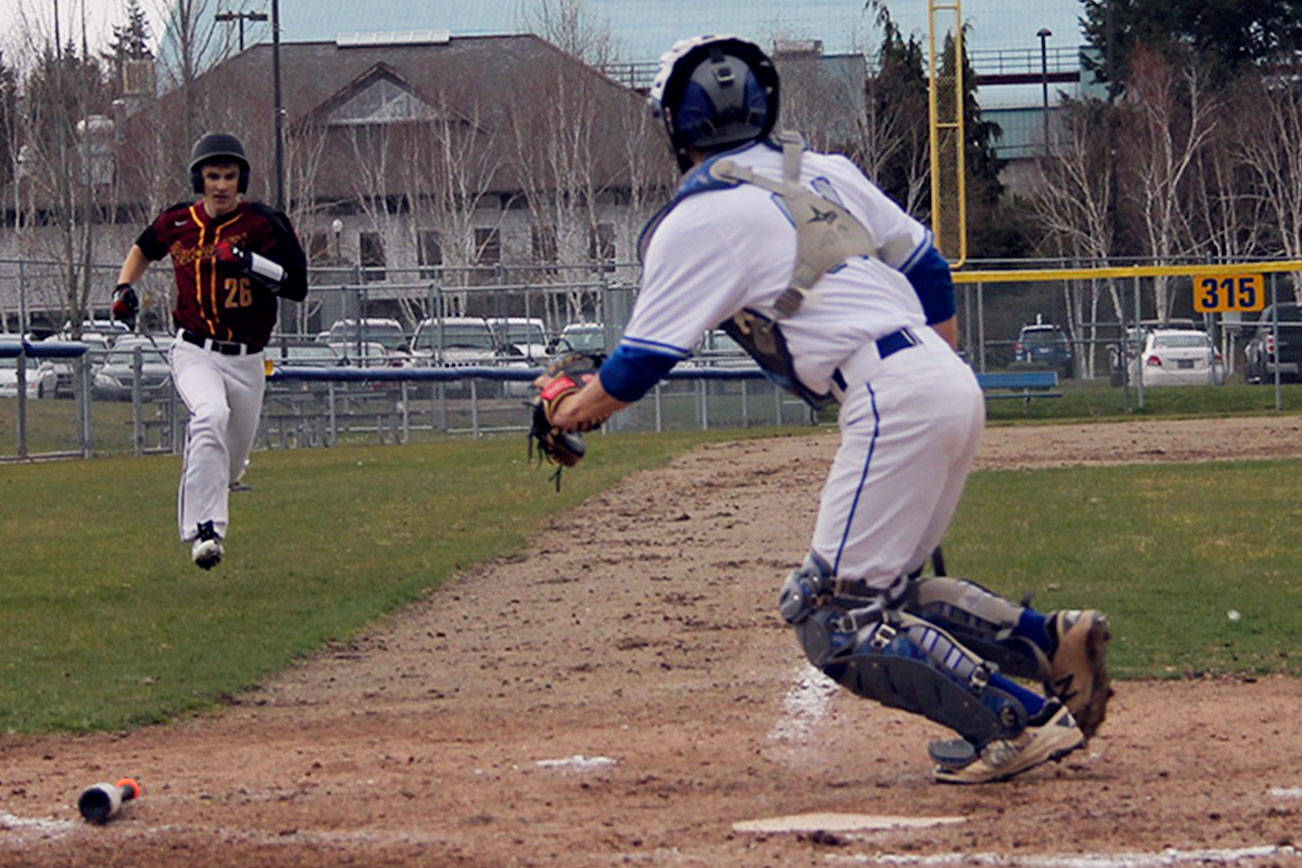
<point>840,823</point>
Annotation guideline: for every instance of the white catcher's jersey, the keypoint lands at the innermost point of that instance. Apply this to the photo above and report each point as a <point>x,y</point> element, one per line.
<point>722,250</point>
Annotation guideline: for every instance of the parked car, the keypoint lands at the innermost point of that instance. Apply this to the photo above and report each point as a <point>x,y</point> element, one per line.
<point>1122,354</point>
<point>387,332</point>
<point>583,337</point>
<point>1045,344</point>
<point>1261,354</point>
<point>1181,357</point>
<point>454,341</point>
<point>717,349</point>
<point>40,384</point>
<point>110,328</point>
<point>525,335</point>
<point>305,355</point>
<point>62,372</point>
<point>462,342</point>
<point>112,382</point>
<point>373,355</point>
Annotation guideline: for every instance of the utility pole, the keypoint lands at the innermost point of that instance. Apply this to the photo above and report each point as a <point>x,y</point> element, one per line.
<point>280,110</point>
<point>241,17</point>
<point>1044,34</point>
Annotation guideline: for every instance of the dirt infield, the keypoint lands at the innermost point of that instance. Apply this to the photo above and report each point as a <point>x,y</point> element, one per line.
<point>628,693</point>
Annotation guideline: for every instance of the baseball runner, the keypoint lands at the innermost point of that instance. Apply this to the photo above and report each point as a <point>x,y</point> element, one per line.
<point>232,259</point>
<point>841,297</point>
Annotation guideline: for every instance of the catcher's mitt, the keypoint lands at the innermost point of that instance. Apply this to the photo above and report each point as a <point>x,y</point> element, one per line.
<point>566,375</point>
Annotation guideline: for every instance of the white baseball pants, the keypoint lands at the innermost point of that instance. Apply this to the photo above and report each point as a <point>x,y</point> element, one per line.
<point>224,397</point>
<point>910,427</point>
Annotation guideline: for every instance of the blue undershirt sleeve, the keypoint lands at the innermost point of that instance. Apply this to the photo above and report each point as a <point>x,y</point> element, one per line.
<point>630,372</point>
<point>931,280</point>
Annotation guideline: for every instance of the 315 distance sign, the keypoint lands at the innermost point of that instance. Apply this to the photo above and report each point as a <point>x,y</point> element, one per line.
<point>1229,293</point>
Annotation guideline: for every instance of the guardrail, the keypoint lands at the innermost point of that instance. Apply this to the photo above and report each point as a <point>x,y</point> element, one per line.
<point>321,426</point>
<point>22,350</point>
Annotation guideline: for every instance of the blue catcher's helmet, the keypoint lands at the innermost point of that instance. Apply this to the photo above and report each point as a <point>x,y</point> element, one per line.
<point>714,92</point>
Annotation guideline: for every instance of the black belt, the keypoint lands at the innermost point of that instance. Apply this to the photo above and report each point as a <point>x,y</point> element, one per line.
<point>226,348</point>
<point>888,345</point>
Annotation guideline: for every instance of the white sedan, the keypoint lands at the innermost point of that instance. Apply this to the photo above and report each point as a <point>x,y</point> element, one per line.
<point>1181,357</point>
<point>40,382</point>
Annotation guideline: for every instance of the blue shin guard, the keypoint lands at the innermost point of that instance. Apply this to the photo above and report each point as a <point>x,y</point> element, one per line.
<point>905,662</point>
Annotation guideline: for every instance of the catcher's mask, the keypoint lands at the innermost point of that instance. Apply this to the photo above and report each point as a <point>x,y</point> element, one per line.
<point>713,93</point>
<point>218,148</point>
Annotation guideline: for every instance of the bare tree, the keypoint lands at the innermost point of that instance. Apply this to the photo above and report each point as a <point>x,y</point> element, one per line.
<point>648,165</point>
<point>821,106</point>
<point>554,131</point>
<point>555,138</point>
<point>571,26</point>
<point>1225,202</point>
<point>450,173</point>
<point>1073,207</point>
<point>66,164</point>
<point>192,43</point>
<point>1273,155</point>
<point>893,143</point>
<point>304,154</point>
<point>1169,117</point>
<point>373,178</point>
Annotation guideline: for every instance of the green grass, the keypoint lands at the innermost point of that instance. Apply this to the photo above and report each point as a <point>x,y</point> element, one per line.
<point>52,425</point>
<point>1095,399</point>
<point>104,623</point>
<point>1167,550</point>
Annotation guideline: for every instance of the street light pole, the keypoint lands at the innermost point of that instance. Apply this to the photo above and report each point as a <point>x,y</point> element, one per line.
<point>280,111</point>
<point>1044,34</point>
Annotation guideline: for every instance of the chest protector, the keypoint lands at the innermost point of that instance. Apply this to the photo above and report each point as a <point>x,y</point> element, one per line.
<point>827,235</point>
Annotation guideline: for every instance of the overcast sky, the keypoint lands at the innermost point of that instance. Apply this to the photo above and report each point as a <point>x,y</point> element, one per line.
<point>995,23</point>
<point>27,22</point>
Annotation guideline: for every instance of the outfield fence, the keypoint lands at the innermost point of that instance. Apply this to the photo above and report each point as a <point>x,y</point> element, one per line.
<point>315,407</point>
<point>1099,308</point>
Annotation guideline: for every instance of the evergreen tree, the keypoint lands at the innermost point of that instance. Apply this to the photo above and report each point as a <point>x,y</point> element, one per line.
<point>994,230</point>
<point>131,40</point>
<point>61,89</point>
<point>1227,35</point>
<point>898,90</point>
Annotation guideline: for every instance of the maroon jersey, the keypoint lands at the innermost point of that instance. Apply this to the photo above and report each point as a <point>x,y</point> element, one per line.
<point>219,299</point>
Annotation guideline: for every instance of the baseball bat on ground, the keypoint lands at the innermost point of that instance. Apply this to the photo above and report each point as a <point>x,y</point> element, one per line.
<point>99,802</point>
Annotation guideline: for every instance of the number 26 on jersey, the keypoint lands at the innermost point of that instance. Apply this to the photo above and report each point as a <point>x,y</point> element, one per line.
<point>238,292</point>
<point>1233,292</point>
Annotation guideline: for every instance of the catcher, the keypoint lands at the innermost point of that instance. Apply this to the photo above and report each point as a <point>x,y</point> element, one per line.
<point>842,298</point>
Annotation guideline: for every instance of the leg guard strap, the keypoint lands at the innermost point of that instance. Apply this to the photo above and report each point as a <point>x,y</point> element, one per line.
<point>981,620</point>
<point>905,662</point>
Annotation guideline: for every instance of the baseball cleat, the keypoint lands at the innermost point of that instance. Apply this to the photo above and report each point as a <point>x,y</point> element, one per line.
<point>952,752</point>
<point>207,549</point>
<point>1051,735</point>
<point>1078,673</point>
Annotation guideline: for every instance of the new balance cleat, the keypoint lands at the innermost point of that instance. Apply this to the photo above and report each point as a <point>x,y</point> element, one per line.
<point>1050,735</point>
<point>207,549</point>
<point>1078,672</point>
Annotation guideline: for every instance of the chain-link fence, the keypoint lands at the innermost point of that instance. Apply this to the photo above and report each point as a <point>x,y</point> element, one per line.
<point>492,327</point>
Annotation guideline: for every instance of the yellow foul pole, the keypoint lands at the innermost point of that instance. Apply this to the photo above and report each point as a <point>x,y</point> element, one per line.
<point>948,160</point>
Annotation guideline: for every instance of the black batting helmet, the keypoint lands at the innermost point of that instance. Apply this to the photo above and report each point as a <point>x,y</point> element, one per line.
<point>218,148</point>
<point>713,93</point>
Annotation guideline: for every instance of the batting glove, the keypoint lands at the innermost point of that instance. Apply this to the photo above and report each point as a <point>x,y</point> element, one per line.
<point>125,304</point>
